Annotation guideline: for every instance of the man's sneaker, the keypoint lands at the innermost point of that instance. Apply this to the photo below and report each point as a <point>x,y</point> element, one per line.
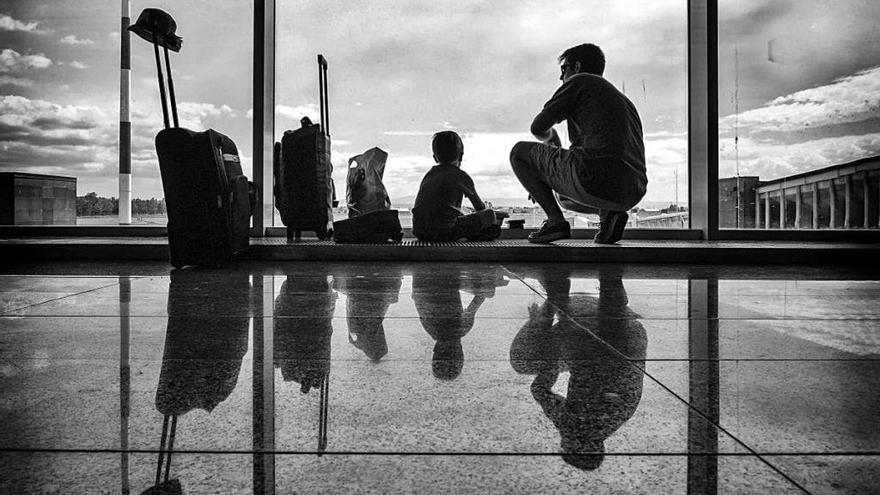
<point>611,225</point>
<point>549,233</point>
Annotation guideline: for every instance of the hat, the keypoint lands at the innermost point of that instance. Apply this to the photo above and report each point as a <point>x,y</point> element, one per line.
<point>155,25</point>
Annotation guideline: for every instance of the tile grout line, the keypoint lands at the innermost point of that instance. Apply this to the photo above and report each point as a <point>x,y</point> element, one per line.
<point>7,312</point>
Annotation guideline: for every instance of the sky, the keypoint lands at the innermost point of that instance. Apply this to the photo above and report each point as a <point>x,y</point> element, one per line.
<point>799,82</point>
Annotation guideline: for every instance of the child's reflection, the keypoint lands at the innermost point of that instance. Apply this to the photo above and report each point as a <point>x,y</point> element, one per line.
<point>437,297</point>
<point>604,388</point>
<point>368,299</point>
<point>303,327</point>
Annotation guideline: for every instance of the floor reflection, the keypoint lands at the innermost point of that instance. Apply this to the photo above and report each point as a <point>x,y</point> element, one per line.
<point>202,358</point>
<point>562,390</point>
<point>443,315</point>
<point>571,332</point>
<point>368,299</point>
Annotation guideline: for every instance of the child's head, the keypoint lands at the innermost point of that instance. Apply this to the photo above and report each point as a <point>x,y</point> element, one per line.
<point>447,147</point>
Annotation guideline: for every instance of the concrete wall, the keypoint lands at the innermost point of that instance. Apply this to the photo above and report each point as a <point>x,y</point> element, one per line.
<point>33,199</point>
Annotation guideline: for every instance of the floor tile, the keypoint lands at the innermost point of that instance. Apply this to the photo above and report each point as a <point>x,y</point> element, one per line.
<point>96,472</point>
<point>832,474</point>
<point>802,406</point>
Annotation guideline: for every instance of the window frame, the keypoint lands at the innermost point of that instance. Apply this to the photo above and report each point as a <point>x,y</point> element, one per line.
<point>703,159</point>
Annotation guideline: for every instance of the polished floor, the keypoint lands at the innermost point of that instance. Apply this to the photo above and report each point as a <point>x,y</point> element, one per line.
<point>304,377</point>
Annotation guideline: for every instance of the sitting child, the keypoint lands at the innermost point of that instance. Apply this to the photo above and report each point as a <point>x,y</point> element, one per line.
<point>437,214</point>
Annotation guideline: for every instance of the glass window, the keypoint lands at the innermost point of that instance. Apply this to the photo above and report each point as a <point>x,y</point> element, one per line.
<point>59,102</point>
<point>401,71</point>
<point>799,114</point>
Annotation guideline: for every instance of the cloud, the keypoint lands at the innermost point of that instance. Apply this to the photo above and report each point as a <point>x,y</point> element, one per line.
<point>9,24</point>
<point>195,115</point>
<point>770,160</point>
<point>44,137</point>
<point>71,39</point>
<point>13,62</point>
<point>295,113</point>
<point>78,65</point>
<point>849,99</point>
<point>15,81</point>
<point>290,115</point>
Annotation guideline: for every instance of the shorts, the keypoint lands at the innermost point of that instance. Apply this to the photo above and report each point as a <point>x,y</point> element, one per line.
<point>589,181</point>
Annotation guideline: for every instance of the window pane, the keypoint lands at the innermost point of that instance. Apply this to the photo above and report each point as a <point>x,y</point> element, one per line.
<point>400,71</point>
<point>59,85</point>
<point>799,108</point>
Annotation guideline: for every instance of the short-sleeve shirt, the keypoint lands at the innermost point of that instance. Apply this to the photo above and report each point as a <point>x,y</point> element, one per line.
<point>602,124</point>
<point>438,202</point>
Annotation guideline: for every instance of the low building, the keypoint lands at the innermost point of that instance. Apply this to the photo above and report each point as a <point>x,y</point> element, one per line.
<point>35,199</point>
<point>844,196</point>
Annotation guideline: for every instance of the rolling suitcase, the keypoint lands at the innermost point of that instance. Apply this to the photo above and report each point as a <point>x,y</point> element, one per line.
<point>208,198</point>
<point>303,184</point>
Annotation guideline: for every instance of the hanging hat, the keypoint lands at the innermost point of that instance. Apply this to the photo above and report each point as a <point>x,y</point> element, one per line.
<point>157,25</point>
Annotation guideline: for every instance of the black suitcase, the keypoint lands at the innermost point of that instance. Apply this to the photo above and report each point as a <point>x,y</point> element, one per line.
<point>373,227</point>
<point>208,198</point>
<point>304,189</point>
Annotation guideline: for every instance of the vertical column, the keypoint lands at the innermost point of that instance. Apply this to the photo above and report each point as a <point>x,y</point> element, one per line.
<point>264,111</point>
<point>847,199</point>
<point>757,209</point>
<point>866,203</point>
<point>767,210</point>
<point>832,199</point>
<point>263,386</point>
<point>703,386</point>
<point>124,117</point>
<point>703,116</point>
<point>124,378</point>
<point>782,207</point>
<point>797,207</point>
<point>815,189</point>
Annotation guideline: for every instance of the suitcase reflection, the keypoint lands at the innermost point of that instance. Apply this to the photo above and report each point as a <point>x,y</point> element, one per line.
<point>205,341</point>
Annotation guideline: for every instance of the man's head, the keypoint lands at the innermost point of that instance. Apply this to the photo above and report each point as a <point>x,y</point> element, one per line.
<point>586,58</point>
<point>447,147</point>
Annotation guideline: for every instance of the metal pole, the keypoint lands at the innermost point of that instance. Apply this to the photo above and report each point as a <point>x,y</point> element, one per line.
<point>124,117</point>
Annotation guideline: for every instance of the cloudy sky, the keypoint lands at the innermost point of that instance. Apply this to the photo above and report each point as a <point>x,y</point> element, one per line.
<point>799,82</point>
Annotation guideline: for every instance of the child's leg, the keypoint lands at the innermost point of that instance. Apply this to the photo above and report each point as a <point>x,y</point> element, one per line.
<point>479,226</point>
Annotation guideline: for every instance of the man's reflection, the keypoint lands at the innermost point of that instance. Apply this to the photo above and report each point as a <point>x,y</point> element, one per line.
<point>368,299</point>
<point>204,348</point>
<point>604,388</point>
<point>303,327</point>
<point>437,297</point>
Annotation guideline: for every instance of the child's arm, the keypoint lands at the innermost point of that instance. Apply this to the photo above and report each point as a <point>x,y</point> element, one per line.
<point>470,191</point>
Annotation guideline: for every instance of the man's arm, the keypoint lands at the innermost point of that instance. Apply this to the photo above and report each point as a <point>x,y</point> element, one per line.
<point>542,129</point>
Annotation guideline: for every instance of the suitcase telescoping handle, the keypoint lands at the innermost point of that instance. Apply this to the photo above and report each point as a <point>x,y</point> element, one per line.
<point>322,93</point>
<point>162,84</point>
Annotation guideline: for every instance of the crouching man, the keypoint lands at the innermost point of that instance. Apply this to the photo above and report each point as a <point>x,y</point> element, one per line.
<point>604,170</point>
